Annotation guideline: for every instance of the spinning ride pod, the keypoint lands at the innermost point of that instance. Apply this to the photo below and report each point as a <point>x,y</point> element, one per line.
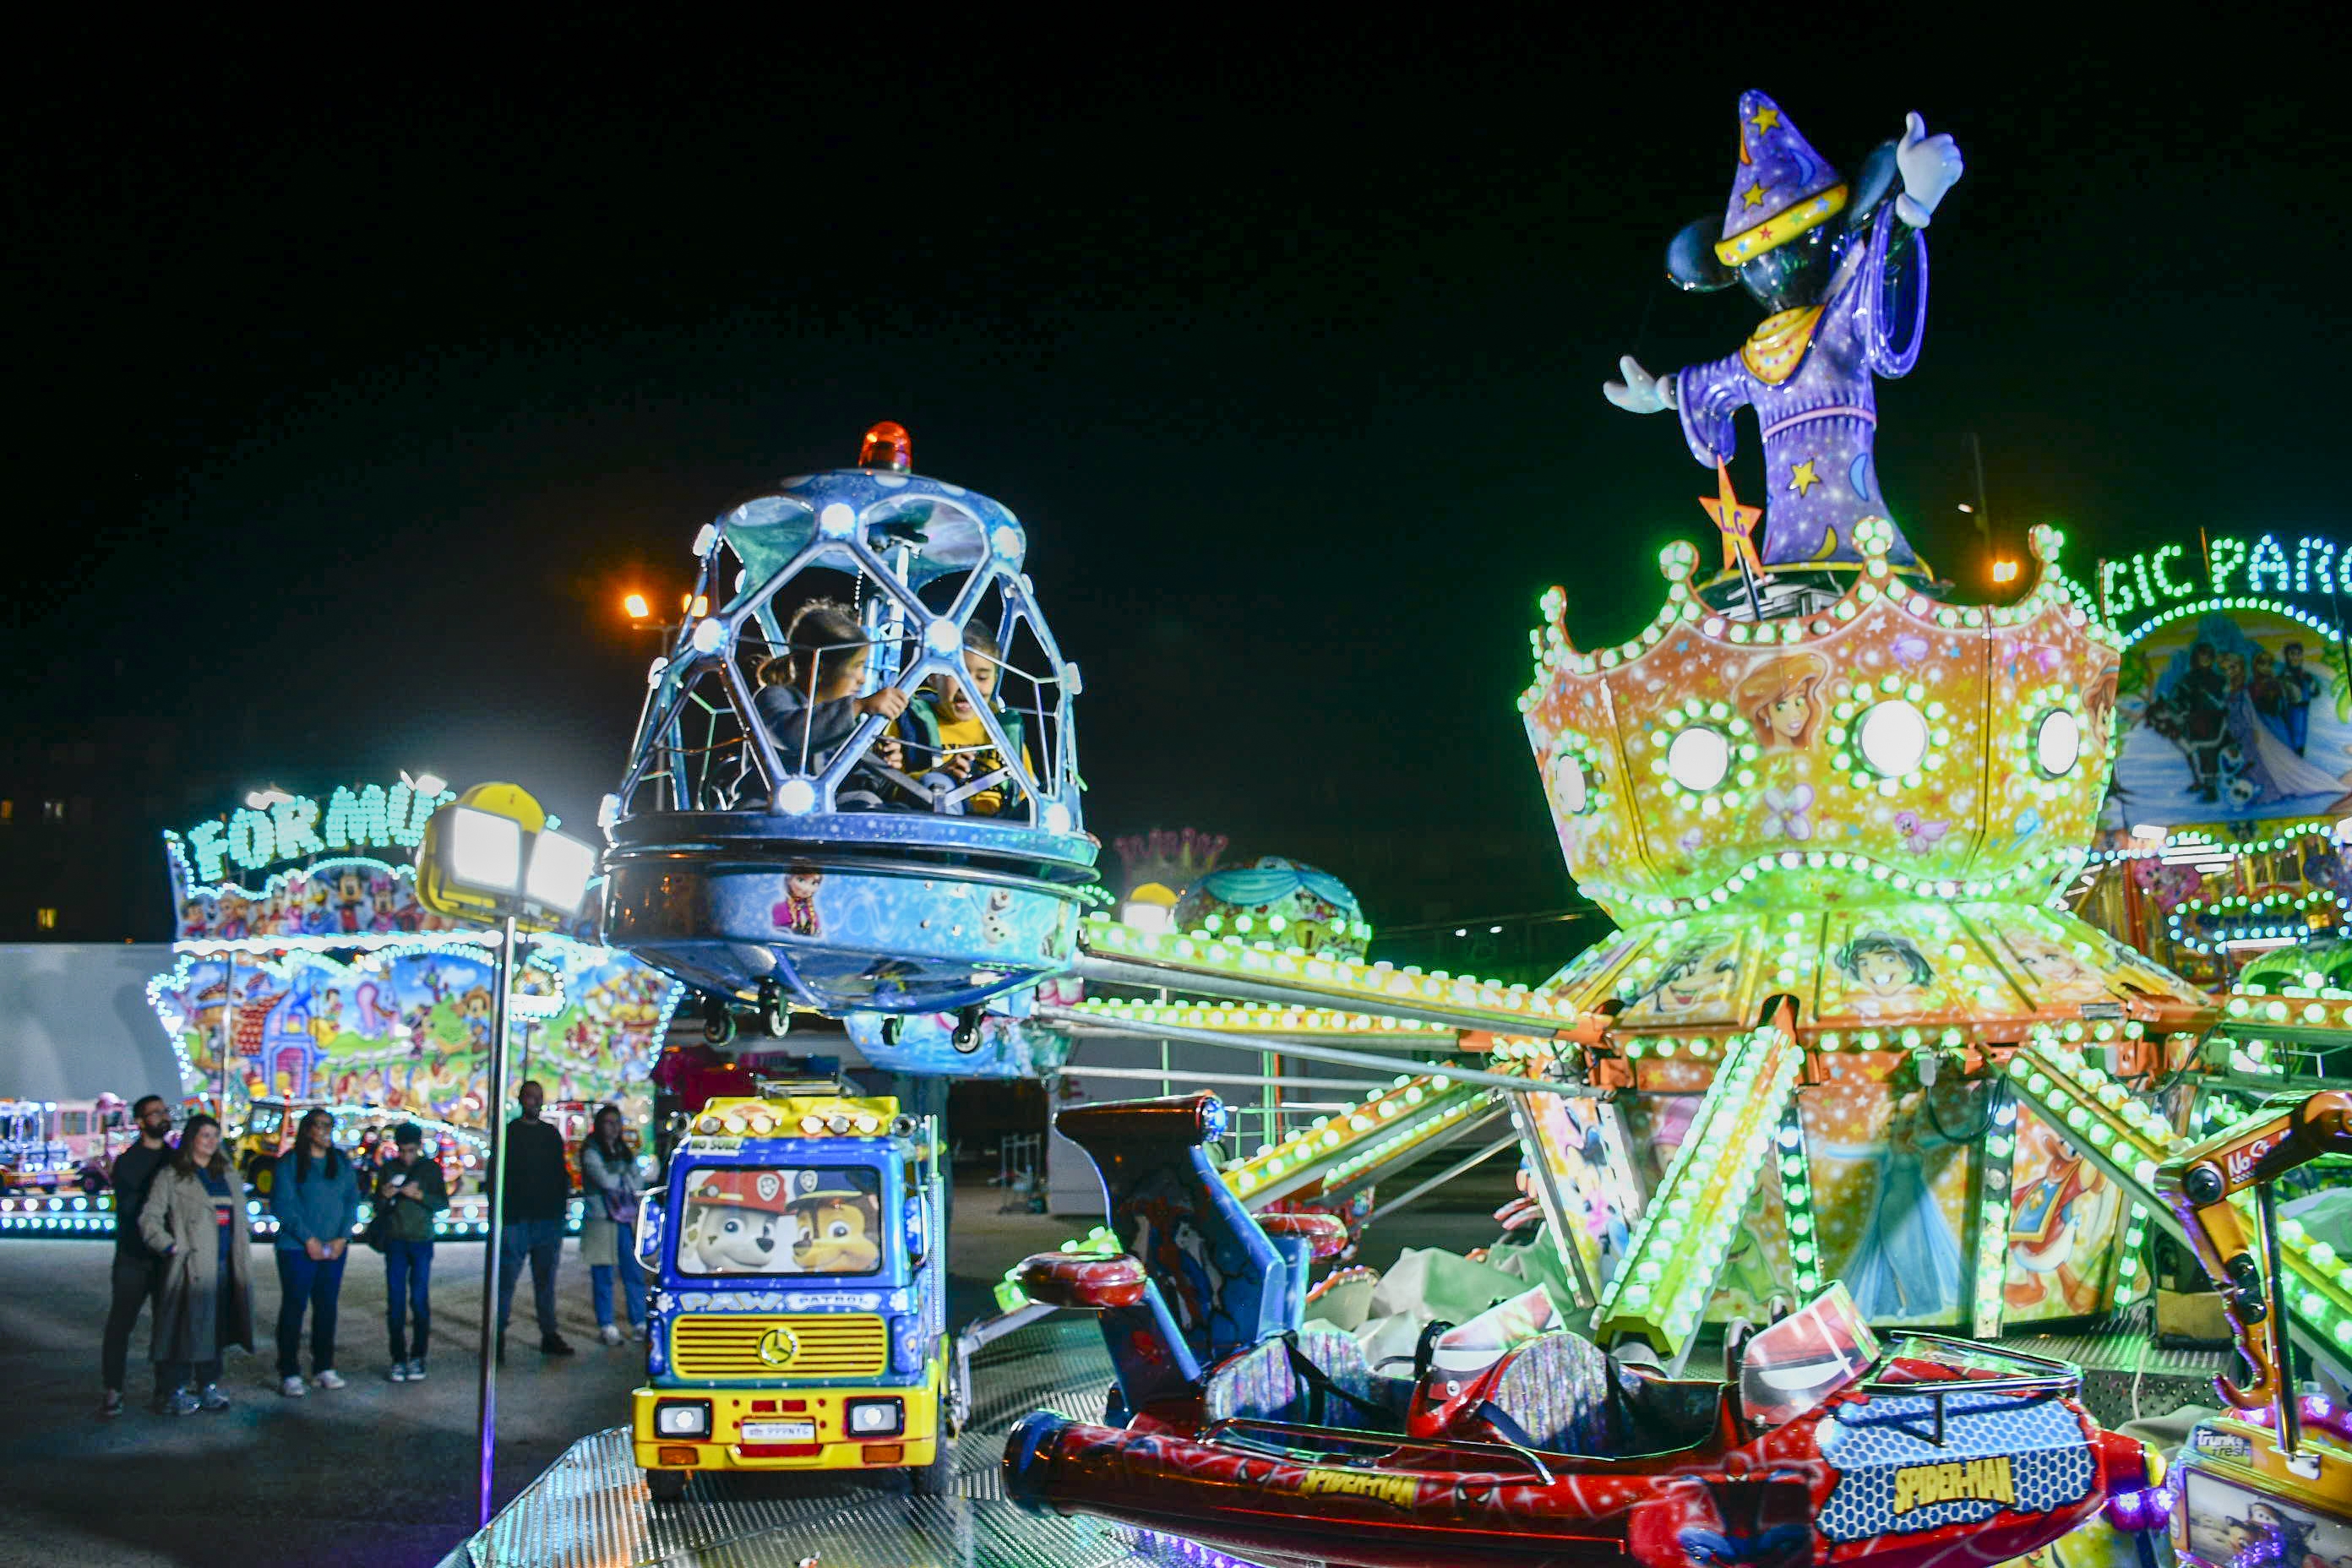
<point>789,832</point>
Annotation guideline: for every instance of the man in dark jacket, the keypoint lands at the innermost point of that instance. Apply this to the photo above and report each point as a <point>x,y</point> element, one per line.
<point>538,1190</point>
<point>138,1273</point>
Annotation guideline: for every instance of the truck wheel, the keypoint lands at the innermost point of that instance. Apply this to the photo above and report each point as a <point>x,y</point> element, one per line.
<point>938,1478</point>
<point>665,1485</point>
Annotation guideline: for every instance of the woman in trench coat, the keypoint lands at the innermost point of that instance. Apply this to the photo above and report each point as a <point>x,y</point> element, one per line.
<point>194,1217</point>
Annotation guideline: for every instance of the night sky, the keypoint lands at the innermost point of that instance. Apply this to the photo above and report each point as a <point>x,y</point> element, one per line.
<point>349,406</point>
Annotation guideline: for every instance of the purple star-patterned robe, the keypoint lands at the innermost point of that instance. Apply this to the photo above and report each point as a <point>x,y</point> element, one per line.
<point>1819,422</point>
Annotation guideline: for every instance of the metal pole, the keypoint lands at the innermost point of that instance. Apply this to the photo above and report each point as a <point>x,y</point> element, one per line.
<point>486,1420</point>
<point>228,1024</point>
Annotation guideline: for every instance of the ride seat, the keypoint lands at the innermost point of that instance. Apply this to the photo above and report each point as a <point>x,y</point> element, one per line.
<point>1564,1394</point>
<point>1561,1394</point>
<point>1318,1376</point>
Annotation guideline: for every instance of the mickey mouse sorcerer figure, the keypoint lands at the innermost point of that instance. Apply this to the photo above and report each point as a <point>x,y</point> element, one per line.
<point>1843,271</point>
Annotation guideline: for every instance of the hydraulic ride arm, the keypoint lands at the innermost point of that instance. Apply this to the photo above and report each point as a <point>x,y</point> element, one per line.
<point>2199,1183</point>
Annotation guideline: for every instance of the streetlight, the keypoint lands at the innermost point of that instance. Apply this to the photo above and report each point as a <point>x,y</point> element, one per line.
<point>493,856</point>
<point>2004,571</point>
<point>635,607</point>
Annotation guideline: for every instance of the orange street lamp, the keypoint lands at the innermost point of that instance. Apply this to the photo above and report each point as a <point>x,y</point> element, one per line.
<point>637,607</point>
<point>2004,571</point>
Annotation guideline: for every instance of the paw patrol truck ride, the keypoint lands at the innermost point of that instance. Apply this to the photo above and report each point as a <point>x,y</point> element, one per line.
<point>798,1320</point>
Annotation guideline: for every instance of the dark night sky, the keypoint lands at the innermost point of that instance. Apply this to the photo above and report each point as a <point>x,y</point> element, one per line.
<point>347,409</point>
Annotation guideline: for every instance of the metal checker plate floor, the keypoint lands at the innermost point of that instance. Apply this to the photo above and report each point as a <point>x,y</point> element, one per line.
<point>591,1510</point>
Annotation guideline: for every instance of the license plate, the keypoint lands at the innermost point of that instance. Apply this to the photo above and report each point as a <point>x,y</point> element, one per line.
<point>779,1431</point>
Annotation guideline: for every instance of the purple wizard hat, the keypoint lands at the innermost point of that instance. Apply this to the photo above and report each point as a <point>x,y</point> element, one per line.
<point>1781,188</point>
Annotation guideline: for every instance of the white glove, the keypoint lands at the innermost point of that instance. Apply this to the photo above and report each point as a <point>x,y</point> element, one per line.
<point>1640,392</point>
<point>1930,165</point>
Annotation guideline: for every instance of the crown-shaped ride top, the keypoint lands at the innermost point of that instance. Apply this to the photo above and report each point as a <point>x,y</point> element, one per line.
<point>1886,748</point>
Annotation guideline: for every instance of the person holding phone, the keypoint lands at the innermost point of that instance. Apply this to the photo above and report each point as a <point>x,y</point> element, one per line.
<point>410,1189</point>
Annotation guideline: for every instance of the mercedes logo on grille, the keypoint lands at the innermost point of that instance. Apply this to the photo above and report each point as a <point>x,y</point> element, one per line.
<point>779,1345</point>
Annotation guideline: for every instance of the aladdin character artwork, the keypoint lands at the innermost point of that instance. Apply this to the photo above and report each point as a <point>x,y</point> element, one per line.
<point>1880,974</point>
<point>2232,717</point>
<point>1696,983</point>
<point>2053,973</point>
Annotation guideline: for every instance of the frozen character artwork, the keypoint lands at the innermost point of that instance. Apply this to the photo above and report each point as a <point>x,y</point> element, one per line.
<point>2056,973</point>
<point>739,1222</point>
<point>993,927</point>
<point>1696,975</point>
<point>2195,716</point>
<point>1886,974</point>
<point>1841,271</point>
<point>2268,768</point>
<point>2060,1212</point>
<point>1782,697</point>
<point>1906,1265</point>
<point>2299,687</point>
<point>796,911</point>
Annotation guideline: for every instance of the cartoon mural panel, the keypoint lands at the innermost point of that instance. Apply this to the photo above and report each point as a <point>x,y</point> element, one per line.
<point>2237,715</point>
<point>1890,1172</point>
<point>409,1029</point>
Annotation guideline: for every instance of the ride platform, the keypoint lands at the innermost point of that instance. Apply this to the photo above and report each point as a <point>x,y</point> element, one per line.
<point>590,1509</point>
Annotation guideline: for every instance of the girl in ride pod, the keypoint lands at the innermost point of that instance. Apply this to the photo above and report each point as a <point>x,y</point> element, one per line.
<point>808,697</point>
<point>315,1193</point>
<point>608,1225</point>
<point>193,1218</point>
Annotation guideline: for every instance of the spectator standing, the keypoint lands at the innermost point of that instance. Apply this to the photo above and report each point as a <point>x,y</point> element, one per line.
<point>194,1219</point>
<point>531,1220</point>
<point>410,1188</point>
<point>315,1193</point>
<point>138,1271</point>
<point>608,1229</point>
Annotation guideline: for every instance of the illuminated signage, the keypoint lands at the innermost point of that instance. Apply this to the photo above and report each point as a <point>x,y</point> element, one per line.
<point>2156,579</point>
<point>295,827</point>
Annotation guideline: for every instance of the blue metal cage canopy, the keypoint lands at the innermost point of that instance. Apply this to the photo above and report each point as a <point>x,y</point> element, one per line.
<point>790,829</point>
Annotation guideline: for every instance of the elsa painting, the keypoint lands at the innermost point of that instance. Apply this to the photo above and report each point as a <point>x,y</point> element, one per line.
<point>1906,1265</point>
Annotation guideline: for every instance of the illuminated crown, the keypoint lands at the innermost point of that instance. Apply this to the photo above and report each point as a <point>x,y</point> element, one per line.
<point>1883,748</point>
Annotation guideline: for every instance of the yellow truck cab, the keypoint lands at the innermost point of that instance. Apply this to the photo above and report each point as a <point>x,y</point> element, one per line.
<point>798,1316</point>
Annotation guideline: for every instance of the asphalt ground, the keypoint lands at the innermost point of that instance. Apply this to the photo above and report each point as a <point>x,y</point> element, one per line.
<point>377,1475</point>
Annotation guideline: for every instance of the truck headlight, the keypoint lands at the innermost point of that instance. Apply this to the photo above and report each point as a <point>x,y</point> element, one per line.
<point>877,1417</point>
<point>682,1418</point>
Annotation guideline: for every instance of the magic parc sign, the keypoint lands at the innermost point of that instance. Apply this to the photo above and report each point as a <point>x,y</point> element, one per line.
<point>295,827</point>
<point>2155,580</point>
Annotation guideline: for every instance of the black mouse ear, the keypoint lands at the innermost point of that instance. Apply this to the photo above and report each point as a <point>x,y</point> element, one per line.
<point>1874,182</point>
<point>1690,258</point>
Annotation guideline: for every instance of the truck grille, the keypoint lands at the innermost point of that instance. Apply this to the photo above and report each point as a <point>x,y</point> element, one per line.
<point>799,1344</point>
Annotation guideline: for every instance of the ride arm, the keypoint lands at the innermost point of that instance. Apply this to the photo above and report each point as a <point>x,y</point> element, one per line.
<point>2200,1184</point>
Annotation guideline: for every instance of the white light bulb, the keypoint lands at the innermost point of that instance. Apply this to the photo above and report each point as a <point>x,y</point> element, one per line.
<point>1893,737</point>
<point>2058,743</point>
<point>942,638</point>
<point>707,635</point>
<point>837,521</point>
<point>1057,818</point>
<point>796,798</point>
<point>1698,758</point>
